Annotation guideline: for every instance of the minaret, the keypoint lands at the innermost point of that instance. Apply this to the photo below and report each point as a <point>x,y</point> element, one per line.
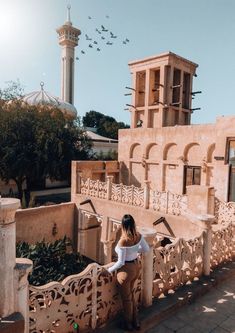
<point>68,39</point>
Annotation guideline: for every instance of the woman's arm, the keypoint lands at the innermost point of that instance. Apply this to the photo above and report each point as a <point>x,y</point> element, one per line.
<point>121,251</point>
<point>143,247</point>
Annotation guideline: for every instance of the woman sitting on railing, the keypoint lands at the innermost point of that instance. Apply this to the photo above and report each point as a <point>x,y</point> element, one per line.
<point>128,268</point>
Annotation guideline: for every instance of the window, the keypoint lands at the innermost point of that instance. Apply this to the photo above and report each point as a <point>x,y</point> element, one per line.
<point>186,91</point>
<point>231,152</point>
<point>231,161</point>
<point>155,92</point>
<point>176,87</point>
<point>192,176</point>
<point>140,88</point>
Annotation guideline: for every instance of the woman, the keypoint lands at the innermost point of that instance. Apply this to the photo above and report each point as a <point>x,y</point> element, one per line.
<point>130,244</point>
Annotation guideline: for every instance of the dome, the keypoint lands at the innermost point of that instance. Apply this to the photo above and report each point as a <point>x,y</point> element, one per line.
<point>42,97</point>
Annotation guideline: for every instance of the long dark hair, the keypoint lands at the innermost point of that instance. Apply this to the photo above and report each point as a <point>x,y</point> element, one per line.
<point>129,227</point>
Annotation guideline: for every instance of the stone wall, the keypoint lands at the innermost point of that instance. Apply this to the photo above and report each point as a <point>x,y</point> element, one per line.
<point>161,155</point>
<point>46,222</point>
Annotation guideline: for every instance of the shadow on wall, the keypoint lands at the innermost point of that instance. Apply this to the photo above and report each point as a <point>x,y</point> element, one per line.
<point>126,176</point>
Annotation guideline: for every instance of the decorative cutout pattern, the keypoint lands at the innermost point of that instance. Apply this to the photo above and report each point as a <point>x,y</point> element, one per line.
<point>158,200</point>
<point>177,263</point>
<point>168,202</point>
<point>177,204</point>
<point>94,188</point>
<point>223,245</point>
<point>88,299</point>
<point>129,195</point>
<point>224,211</point>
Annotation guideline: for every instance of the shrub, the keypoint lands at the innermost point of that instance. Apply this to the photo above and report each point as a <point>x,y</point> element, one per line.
<point>51,261</point>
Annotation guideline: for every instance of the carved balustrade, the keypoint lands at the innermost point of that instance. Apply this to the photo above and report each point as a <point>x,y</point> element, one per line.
<point>94,188</point>
<point>177,263</point>
<point>87,299</point>
<point>129,195</point>
<point>224,211</point>
<point>166,202</point>
<point>223,244</point>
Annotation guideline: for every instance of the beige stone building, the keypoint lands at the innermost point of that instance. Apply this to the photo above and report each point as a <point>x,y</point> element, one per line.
<point>162,146</point>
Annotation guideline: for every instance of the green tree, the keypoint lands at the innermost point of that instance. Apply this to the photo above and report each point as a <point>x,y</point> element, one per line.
<point>38,142</point>
<point>105,125</point>
<point>111,155</point>
<point>12,91</point>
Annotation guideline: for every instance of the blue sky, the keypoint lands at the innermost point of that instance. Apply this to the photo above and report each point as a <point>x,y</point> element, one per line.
<point>202,31</point>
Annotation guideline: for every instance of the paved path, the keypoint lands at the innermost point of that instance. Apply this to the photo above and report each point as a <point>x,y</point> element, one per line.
<point>214,312</point>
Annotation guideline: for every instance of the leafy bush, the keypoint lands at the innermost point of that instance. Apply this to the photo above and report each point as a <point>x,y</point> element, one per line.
<point>111,155</point>
<point>51,261</point>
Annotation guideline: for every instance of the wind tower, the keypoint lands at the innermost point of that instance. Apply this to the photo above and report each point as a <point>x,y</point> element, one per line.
<point>68,39</point>
<point>162,91</point>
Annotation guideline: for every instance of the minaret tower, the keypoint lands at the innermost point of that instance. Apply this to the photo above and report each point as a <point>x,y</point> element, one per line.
<point>68,39</point>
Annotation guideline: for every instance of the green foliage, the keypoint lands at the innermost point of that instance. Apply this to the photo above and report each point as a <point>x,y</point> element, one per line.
<point>111,155</point>
<point>105,125</point>
<point>51,261</point>
<point>13,90</point>
<point>38,142</point>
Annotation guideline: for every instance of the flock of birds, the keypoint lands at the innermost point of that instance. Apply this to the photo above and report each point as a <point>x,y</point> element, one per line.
<point>104,35</point>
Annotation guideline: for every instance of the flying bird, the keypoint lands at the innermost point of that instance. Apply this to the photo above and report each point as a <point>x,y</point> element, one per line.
<point>90,45</point>
<point>89,17</point>
<point>102,37</point>
<point>77,58</point>
<point>98,49</point>
<point>107,16</point>
<point>104,29</point>
<point>99,32</point>
<point>83,52</point>
<point>95,42</point>
<point>123,42</point>
<point>87,37</point>
<point>112,35</point>
<point>109,43</point>
<point>127,40</point>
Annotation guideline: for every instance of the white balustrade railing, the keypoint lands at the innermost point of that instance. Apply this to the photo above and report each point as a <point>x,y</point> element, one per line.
<point>166,202</point>
<point>94,188</point>
<point>223,244</point>
<point>87,299</point>
<point>129,195</point>
<point>177,263</point>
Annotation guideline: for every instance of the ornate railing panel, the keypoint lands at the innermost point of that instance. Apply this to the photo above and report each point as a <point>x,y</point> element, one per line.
<point>168,202</point>
<point>84,186</point>
<point>223,245</point>
<point>138,197</point>
<point>224,211</point>
<point>55,307</point>
<point>129,195</point>
<point>116,192</point>
<point>88,299</point>
<point>177,204</point>
<point>94,188</point>
<point>158,200</point>
<point>176,264</point>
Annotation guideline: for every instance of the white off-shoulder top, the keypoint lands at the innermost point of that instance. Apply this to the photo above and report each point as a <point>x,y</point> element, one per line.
<point>128,253</point>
